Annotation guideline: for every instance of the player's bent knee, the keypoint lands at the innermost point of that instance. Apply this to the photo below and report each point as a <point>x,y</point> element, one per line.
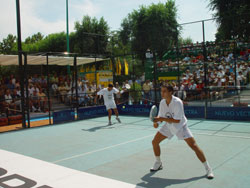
<point>155,142</point>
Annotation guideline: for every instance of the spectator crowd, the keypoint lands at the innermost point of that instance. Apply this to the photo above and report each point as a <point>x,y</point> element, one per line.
<point>223,79</point>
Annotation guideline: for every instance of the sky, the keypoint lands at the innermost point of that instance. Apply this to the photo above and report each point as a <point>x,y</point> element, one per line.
<point>49,16</point>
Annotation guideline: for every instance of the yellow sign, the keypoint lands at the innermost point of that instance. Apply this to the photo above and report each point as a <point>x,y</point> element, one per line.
<point>168,78</point>
<point>104,78</point>
<point>90,77</point>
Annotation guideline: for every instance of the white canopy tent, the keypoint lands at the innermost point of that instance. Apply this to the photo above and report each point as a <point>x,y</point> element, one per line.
<point>6,60</point>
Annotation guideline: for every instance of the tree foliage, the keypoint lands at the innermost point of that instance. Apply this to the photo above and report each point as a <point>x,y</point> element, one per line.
<point>55,42</point>
<point>82,42</point>
<point>154,27</point>
<point>34,38</point>
<point>185,41</point>
<point>8,44</point>
<point>233,17</point>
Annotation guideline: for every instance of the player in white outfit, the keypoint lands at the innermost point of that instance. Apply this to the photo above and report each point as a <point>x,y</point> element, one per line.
<point>171,111</point>
<point>109,101</point>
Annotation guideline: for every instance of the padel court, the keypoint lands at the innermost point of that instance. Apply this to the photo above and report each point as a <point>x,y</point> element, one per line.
<point>89,153</point>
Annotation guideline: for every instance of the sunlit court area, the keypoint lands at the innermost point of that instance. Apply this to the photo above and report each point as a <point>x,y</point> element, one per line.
<point>124,94</point>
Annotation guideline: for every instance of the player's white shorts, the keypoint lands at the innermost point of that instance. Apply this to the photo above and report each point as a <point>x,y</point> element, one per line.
<point>182,134</point>
<point>110,105</point>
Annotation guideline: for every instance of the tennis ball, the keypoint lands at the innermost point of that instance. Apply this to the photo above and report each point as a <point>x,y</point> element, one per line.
<point>123,107</point>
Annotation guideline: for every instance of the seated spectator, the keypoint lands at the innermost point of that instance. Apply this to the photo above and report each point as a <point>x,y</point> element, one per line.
<point>117,96</point>
<point>71,96</point>
<point>16,96</point>
<point>68,85</point>
<point>54,79</point>
<point>81,96</point>
<point>62,92</point>
<point>35,79</point>
<point>35,102</point>
<point>43,100</point>
<point>43,82</point>
<point>146,91</point>
<point>2,101</point>
<point>17,84</point>
<point>10,85</point>
<point>90,95</point>
<point>9,104</point>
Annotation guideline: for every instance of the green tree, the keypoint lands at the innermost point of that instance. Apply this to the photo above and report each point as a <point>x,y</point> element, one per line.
<point>34,38</point>
<point>115,45</point>
<point>154,27</point>
<point>55,42</point>
<point>185,41</point>
<point>7,45</point>
<point>233,18</point>
<point>84,42</point>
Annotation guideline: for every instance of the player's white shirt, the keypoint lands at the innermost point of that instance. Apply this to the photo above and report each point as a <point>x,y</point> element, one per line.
<point>108,96</point>
<point>174,110</point>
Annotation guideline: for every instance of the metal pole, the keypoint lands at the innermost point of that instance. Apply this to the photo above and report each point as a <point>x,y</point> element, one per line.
<point>19,45</point>
<point>76,84</point>
<point>26,89</point>
<point>67,24</point>
<point>178,61</point>
<point>197,21</point>
<point>113,60</point>
<point>133,91</point>
<point>95,74</point>
<point>155,78</point>
<point>48,85</point>
<point>96,51</point>
<point>133,76</point>
<point>205,66</point>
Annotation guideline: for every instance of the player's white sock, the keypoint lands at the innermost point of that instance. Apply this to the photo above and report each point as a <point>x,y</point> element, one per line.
<point>210,174</point>
<point>158,158</point>
<point>206,165</point>
<point>157,165</point>
<point>118,119</point>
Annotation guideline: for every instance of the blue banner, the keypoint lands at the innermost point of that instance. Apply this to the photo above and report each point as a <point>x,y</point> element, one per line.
<point>218,113</point>
<point>63,116</point>
<point>134,110</point>
<point>194,111</point>
<point>91,112</point>
<point>229,113</point>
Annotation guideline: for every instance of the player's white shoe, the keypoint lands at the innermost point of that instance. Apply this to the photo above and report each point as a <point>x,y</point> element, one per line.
<point>110,123</point>
<point>210,174</point>
<point>157,166</point>
<point>118,119</point>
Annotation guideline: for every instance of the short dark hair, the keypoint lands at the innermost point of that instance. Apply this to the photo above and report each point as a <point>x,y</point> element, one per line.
<point>169,88</point>
<point>110,85</point>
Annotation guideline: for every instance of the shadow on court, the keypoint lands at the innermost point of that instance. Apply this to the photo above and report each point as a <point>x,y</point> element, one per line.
<point>149,181</point>
<point>94,129</point>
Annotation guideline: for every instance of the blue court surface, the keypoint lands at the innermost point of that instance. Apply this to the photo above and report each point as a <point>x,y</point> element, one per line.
<point>89,153</point>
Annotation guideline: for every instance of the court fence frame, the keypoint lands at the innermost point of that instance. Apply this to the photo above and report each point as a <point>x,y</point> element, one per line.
<point>77,113</point>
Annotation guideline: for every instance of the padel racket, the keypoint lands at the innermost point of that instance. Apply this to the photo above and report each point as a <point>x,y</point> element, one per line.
<point>153,113</point>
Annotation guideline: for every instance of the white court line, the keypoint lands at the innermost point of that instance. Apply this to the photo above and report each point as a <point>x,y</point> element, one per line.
<point>222,135</point>
<point>113,146</point>
<point>22,171</point>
